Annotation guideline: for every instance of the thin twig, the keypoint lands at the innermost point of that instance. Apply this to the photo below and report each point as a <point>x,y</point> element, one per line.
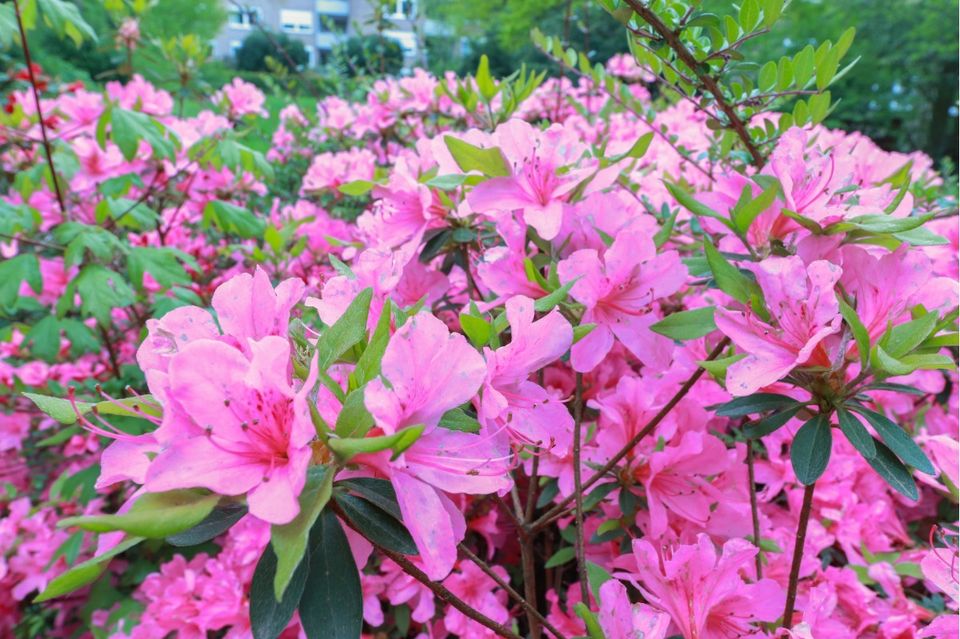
<point>754,512</point>
<point>36,100</point>
<point>560,508</point>
<point>709,83</point>
<point>578,489</point>
<point>797,556</point>
<point>444,594</point>
<point>524,603</point>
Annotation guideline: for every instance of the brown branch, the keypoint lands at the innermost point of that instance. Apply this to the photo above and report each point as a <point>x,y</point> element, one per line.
<point>754,511</point>
<point>36,100</point>
<point>578,490</point>
<point>524,603</point>
<point>444,594</point>
<point>672,39</point>
<point>797,556</point>
<point>561,508</point>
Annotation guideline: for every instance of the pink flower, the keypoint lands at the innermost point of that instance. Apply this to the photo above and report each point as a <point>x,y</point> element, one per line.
<point>241,98</point>
<point>675,480</point>
<point>705,595</point>
<point>481,593</point>
<point>429,371</point>
<point>536,186</point>
<point>255,429</point>
<point>530,413</point>
<point>618,293</point>
<point>624,620</point>
<point>804,310</point>
<point>804,176</point>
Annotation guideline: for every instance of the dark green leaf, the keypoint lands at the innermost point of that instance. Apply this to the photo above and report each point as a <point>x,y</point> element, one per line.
<point>892,470</point>
<point>377,491</point>
<point>810,450</point>
<point>377,525</point>
<point>756,403</point>
<point>219,521</point>
<point>290,540</point>
<point>269,617</point>
<point>332,603</point>
<point>767,425</point>
<point>856,434</point>
<point>896,439</point>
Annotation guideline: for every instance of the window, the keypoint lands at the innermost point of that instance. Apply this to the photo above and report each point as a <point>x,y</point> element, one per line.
<point>404,10</point>
<point>406,40</point>
<point>245,17</point>
<point>333,24</point>
<point>294,21</point>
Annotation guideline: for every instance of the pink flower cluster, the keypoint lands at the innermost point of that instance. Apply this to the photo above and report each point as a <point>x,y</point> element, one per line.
<point>522,363</point>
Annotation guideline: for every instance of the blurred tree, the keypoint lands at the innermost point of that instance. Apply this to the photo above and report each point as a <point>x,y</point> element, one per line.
<point>903,91</point>
<point>252,54</point>
<point>370,55</point>
<point>172,18</point>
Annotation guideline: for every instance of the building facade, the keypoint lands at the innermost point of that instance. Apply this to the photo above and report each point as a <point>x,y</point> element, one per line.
<point>318,24</point>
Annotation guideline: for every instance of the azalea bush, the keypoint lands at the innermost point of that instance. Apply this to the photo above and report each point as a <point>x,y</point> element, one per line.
<point>635,350</point>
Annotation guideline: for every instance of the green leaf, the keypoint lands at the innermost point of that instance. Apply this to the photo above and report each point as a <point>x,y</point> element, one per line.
<point>128,128</point>
<point>637,150</point>
<point>810,450</point>
<point>768,76</point>
<point>356,188</point>
<point>289,541</point>
<point>749,15</point>
<point>84,573</point>
<point>892,470</point>
<point>903,338</point>
<point>744,214</point>
<point>687,325</point>
<point>765,426</point>
<point>458,420</point>
<point>354,420</point>
<point>476,329</point>
<point>886,223</point>
<point>729,279</point>
<point>594,629</point>
<point>65,20</point>
<point>153,515</point>
<point>14,271</point>
<point>164,264</point>
<point>332,602</point>
<point>345,332</point>
<point>485,83</point>
<point>473,158</point>
<point>693,205</point>
<point>562,556</point>
<point>219,521</point>
<point>102,290</point>
<point>597,576</point>
<point>547,302</point>
<point>368,365</point>
<point>856,434</point>
<point>398,442</point>
<point>62,410</point>
<point>269,617</point>
<point>859,331</point>
<point>898,440</point>
<point>377,491</point>
<point>377,525</point>
<point>43,338</point>
<point>233,219</point>
<point>756,403</point>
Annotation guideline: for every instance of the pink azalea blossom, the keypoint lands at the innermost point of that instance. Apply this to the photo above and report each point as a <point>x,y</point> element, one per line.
<point>618,293</point>
<point>804,308</point>
<point>255,428</point>
<point>704,594</point>
<point>529,412</point>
